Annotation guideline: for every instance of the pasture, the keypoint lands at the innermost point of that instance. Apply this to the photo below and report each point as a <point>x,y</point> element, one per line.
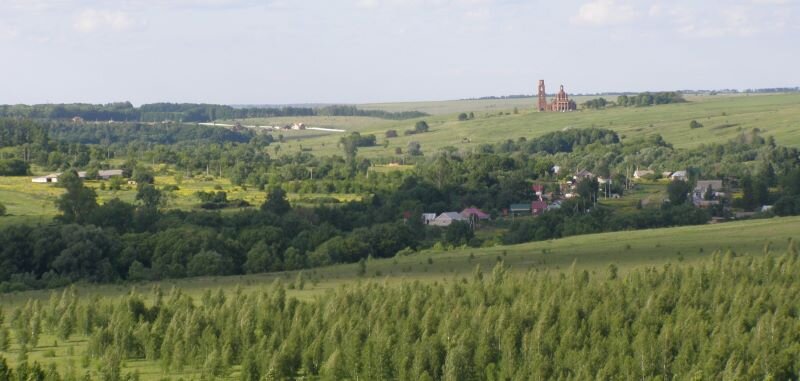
<point>722,117</point>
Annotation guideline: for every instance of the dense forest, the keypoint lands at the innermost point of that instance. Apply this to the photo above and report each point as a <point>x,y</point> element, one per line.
<point>728,318</point>
<point>182,112</point>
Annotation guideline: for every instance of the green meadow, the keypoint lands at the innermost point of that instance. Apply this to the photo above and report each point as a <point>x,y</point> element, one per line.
<point>723,117</point>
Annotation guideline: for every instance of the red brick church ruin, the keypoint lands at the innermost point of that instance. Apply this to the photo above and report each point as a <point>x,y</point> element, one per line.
<point>560,103</point>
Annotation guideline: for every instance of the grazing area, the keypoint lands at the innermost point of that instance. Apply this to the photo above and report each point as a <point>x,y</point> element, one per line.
<point>722,116</point>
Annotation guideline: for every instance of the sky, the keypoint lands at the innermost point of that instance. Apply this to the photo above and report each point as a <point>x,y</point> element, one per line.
<point>358,51</point>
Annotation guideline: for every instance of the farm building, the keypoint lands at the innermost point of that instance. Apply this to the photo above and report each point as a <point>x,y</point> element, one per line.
<point>477,214</point>
<point>103,174</point>
<point>51,178</point>
<point>447,218</point>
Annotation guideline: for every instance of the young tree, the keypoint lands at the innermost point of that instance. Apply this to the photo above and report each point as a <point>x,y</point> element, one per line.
<point>276,202</point>
<point>414,148</point>
<point>678,191</point>
<point>78,202</point>
<point>421,126</point>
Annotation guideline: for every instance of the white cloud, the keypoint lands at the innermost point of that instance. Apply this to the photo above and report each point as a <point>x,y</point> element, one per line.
<point>90,20</point>
<point>604,12</point>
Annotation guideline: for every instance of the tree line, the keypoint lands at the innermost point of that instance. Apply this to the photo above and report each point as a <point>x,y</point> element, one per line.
<point>183,112</point>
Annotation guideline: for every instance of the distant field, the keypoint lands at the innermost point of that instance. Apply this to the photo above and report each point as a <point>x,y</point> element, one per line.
<point>723,117</point>
<point>464,105</point>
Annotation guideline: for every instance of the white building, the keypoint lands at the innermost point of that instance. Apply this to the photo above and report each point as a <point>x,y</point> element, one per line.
<point>51,178</point>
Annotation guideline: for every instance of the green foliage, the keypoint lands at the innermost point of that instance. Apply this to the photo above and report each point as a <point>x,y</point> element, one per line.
<point>678,322</point>
<point>78,202</point>
<point>595,104</point>
<point>649,99</point>
<point>678,191</point>
<point>14,167</point>
<point>2,209</point>
<point>458,233</point>
<point>276,202</point>
<point>695,124</point>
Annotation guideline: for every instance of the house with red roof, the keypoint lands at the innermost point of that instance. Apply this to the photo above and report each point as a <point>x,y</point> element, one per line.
<point>538,207</point>
<point>477,214</point>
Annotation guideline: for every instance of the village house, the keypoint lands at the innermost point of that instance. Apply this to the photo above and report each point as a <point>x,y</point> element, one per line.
<point>584,174</point>
<point>702,188</point>
<point>679,175</point>
<point>427,218</point>
<point>538,207</point>
<point>519,209</point>
<point>640,173</point>
<point>474,214</point>
<point>447,218</point>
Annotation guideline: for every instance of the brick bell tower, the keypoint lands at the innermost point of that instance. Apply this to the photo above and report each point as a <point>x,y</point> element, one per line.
<point>542,96</point>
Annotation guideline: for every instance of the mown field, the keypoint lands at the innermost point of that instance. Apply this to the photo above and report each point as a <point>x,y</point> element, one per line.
<point>626,250</point>
<point>723,117</point>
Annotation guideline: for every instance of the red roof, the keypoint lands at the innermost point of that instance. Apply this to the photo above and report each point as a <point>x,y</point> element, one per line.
<point>541,205</point>
<point>481,215</point>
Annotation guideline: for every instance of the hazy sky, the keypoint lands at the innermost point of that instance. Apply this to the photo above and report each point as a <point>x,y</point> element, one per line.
<point>309,51</point>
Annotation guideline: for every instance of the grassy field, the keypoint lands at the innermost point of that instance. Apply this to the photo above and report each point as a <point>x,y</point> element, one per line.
<point>723,117</point>
<point>462,105</point>
<point>27,202</point>
<point>595,253</point>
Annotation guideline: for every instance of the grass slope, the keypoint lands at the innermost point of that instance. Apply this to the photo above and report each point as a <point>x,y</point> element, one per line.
<point>723,117</point>
<point>595,253</point>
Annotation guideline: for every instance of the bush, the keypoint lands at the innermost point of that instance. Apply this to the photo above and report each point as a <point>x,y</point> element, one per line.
<point>695,124</point>
<point>2,209</point>
<point>391,133</point>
